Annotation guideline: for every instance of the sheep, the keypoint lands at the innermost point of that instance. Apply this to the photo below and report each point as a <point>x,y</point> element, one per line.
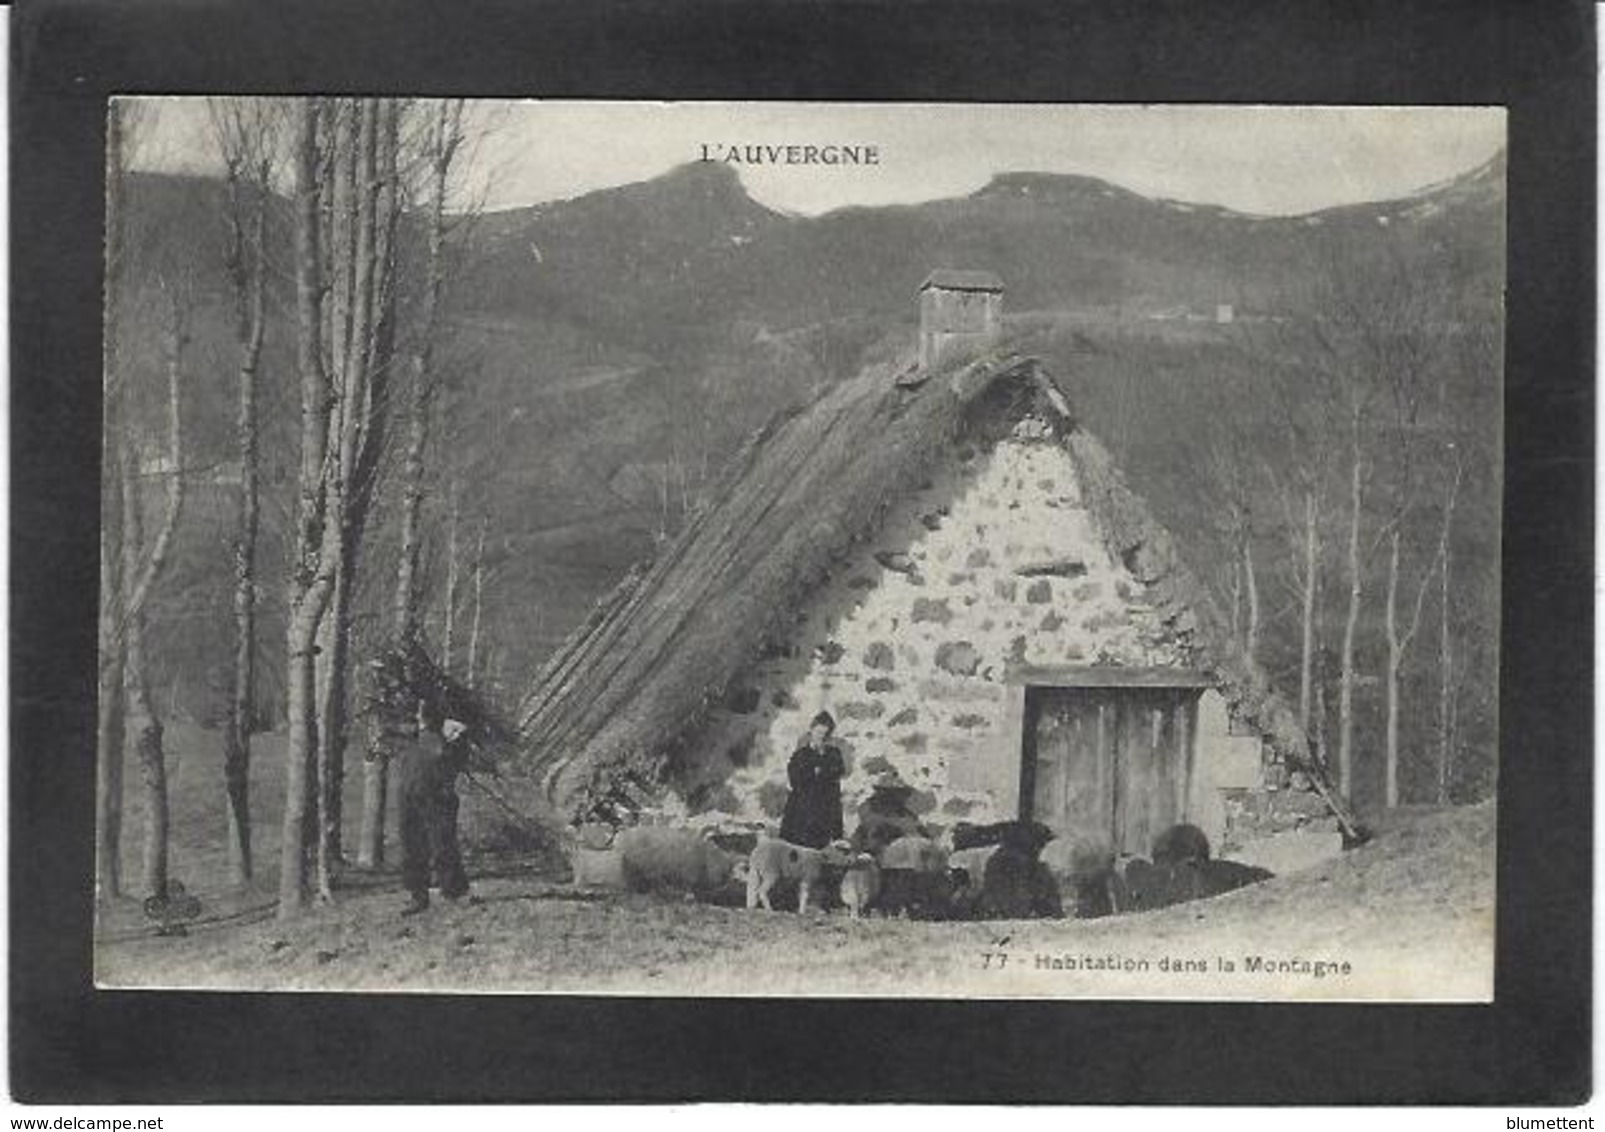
<point>861,885</point>
<point>915,879</point>
<point>1182,842</point>
<point>1084,867</point>
<point>774,860</point>
<point>656,858</point>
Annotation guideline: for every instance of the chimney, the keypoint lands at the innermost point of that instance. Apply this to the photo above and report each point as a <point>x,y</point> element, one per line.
<point>961,315</point>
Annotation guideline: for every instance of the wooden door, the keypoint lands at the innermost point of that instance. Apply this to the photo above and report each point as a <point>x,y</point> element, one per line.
<point>1108,765</point>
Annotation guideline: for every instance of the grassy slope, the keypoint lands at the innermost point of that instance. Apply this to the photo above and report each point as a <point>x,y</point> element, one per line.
<point>1413,913</point>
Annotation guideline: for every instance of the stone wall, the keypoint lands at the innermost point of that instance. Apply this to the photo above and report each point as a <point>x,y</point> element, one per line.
<point>993,565</point>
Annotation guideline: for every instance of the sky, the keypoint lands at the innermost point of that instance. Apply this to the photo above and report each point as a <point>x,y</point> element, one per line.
<point>1256,159</point>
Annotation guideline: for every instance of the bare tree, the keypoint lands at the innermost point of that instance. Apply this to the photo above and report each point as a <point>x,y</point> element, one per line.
<point>1410,352</point>
<point>479,601</point>
<point>1233,483</point>
<point>1382,324</point>
<point>132,556</point>
<point>311,574</point>
<point>1401,635</point>
<point>1446,649</point>
<point>142,565</point>
<point>109,731</point>
<point>445,136</point>
<point>1352,334</point>
<point>346,162</point>
<point>1303,414</point>
<point>245,134</point>
<point>1478,346</point>
<point>450,598</point>
<point>368,318</point>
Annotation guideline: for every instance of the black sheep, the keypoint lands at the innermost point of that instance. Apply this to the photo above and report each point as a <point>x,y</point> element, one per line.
<point>1015,884</point>
<point>1181,843</point>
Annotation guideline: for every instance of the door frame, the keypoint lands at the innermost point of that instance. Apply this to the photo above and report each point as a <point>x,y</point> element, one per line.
<point>1030,681</point>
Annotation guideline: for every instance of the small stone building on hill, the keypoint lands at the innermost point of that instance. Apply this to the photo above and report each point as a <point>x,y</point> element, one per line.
<point>945,560</point>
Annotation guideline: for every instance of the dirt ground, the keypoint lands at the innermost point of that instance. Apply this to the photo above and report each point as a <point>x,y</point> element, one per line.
<point>1410,915</point>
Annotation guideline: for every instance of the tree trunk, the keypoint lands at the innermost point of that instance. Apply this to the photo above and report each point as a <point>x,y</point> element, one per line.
<point>1310,589</point>
<point>109,727</point>
<point>1446,686</point>
<point>247,268</point>
<point>451,585</point>
<point>300,803</point>
<point>412,498</point>
<point>334,643</point>
<point>1237,598</point>
<point>147,734</point>
<point>479,592</point>
<point>1446,667</point>
<point>141,569</point>
<point>443,143</point>
<point>110,733</point>
<point>110,738</point>
<point>375,801</point>
<point>350,493</point>
<point>1251,589</point>
<point>309,580</point>
<point>142,721</point>
<point>370,852</point>
<point>1391,688</point>
<point>1351,623</point>
<point>364,360</point>
<point>1321,751</point>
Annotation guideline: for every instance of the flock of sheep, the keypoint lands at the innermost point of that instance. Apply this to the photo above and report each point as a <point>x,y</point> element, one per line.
<point>1002,871</point>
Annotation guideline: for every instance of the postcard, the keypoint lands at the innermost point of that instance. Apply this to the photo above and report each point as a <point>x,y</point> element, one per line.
<point>932,550</point>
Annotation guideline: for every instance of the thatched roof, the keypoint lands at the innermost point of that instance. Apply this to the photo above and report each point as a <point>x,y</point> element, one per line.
<point>661,649</point>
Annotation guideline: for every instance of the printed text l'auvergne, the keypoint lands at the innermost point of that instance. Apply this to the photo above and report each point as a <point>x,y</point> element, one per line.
<point>747,153</point>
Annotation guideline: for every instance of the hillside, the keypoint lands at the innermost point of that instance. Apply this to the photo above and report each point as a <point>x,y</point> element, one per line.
<point>608,353</point>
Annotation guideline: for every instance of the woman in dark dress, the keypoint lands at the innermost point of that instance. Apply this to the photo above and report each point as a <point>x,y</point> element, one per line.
<point>813,815</point>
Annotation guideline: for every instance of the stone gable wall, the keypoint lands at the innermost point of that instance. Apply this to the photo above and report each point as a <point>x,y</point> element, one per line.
<point>994,563</point>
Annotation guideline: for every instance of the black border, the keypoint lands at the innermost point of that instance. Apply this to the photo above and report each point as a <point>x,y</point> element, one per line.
<point>1533,1046</point>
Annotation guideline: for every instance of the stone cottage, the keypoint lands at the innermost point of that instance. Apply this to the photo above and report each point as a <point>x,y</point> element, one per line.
<point>943,558</point>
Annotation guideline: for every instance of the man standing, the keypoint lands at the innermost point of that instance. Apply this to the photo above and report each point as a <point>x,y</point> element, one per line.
<point>429,769</point>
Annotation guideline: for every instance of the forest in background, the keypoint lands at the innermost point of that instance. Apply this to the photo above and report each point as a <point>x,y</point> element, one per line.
<point>541,397</point>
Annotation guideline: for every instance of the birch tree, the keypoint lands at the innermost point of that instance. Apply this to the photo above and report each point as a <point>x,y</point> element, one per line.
<point>1421,302</point>
<point>311,573</point>
<point>132,555</point>
<point>347,208</point>
<point>1446,647</point>
<point>144,556</point>
<point>245,134</point>
<point>444,139</point>
<point>479,601</point>
<point>109,731</point>
<point>1351,335</point>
